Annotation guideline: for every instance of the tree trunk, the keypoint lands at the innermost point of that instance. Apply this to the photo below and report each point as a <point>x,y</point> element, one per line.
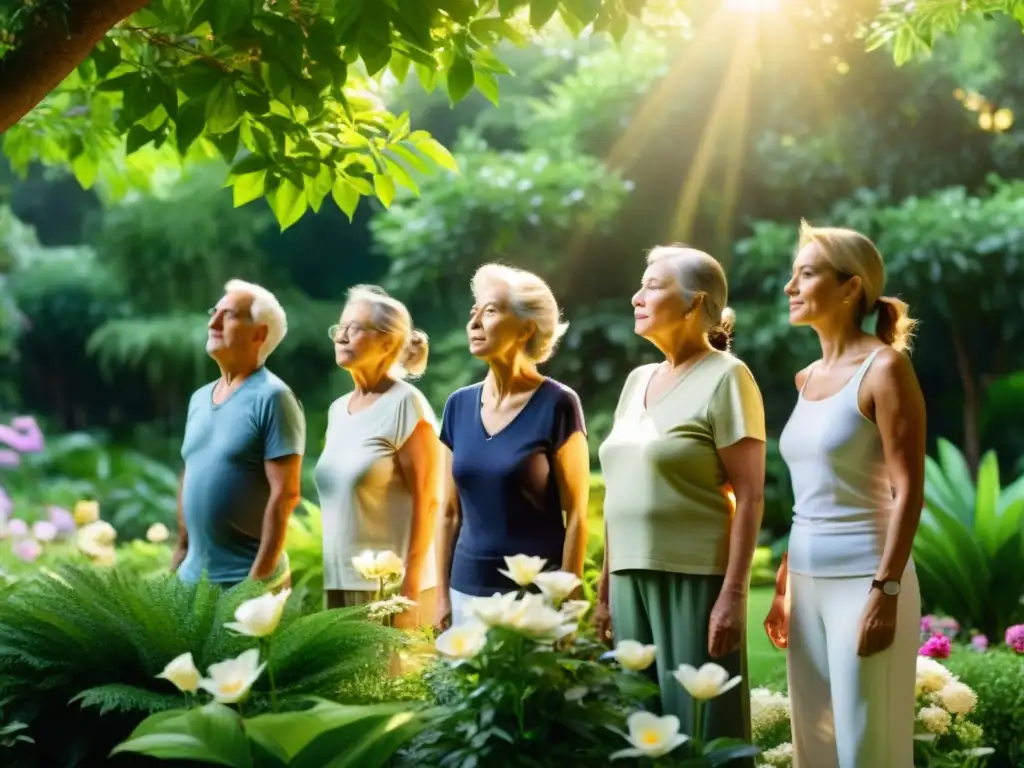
<point>52,49</point>
<point>972,441</point>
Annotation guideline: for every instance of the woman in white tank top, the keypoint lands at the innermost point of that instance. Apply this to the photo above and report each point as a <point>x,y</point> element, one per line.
<point>847,603</point>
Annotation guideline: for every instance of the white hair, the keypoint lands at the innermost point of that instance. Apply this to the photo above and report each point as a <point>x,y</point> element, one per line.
<point>391,317</point>
<point>698,273</point>
<point>530,298</point>
<point>265,310</point>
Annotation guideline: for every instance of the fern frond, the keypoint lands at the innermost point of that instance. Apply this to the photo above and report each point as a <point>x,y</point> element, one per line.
<point>116,697</point>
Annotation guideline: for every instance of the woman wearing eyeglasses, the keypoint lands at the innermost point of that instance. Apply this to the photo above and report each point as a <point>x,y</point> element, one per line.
<point>379,474</point>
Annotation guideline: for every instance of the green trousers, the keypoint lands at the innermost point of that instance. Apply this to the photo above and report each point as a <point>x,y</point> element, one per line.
<point>672,610</point>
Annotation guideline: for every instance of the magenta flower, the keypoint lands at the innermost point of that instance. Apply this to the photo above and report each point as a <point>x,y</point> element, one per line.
<point>979,642</point>
<point>1015,637</point>
<point>927,622</point>
<point>937,646</point>
<point>9,458</point>
<point>27,550</point>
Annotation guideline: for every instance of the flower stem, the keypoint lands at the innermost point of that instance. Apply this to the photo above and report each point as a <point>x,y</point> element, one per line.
<point>270,674</point>
<point>698,726</point>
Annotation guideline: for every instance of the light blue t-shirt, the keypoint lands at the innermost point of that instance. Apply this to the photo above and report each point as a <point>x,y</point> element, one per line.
<point>225,493</point>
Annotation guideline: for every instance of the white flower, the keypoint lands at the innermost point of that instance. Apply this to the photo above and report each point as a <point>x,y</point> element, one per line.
<point>931,675</point>
<point>229,681</point>
<point>634,655</point>
<point>523,569</point>
<point>373,566</point>
<point>17,527</point>
<point>768,709</point>
<point>576,693</point>
<point>181,670</point>
<point>957,698</point>
<point>44,530</point>
<point>157,532</point>
<point>96,540</point>
<point>382,609</point>
<point>651,736</point>
<point>529,615</point>
<point>705,683</point>
<point>574,610</point>
<point>935,719</point>
<point>260,616</point>
<point>86,512</point>
<point>463,641</point>
<point>491,610</point>
<point>980,752</point>
<point>557,585</point>
<point>778,757</point>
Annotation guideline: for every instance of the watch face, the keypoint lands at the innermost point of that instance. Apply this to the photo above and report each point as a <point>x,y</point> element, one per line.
<point>891,587</point>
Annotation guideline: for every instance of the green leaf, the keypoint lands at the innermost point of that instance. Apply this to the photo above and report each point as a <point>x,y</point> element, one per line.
<point>434,150</point>
<point>384,187</point>
<point>106,56</point>
<point>288,202</point>
<point>347,15</point>
<point>198,79</point>
<point>487,84</point>
<point>227,145</point>
<point>400,175</point>
<point>986,503</point>
<point>507,7</point>
<point>138,137</point>
<point>222,113</point>
<point>345,196</point>
<point>584,10</point>
<point>493,30</point>
<point>410,157</point>
<point>190,123</point>
<point>541,12</point>
<point>249,164</point>
<point>460,79</point>
<point>249,187</point>
<point>399,66</point>
<point>85,169</point>
<point>487,61</point>
<point>209,734</point>
<point>121,82</point>
<point>427,76</point>
<point>229,16</point>
<point>319,187</point>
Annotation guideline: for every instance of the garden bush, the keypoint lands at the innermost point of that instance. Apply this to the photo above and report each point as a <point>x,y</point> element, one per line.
<point>998,678</point>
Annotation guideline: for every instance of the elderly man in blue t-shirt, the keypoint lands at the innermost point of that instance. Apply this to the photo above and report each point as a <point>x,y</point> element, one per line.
<point>244,441</point>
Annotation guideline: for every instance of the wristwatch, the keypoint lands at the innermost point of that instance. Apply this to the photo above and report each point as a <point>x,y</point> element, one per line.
<point>890,588</point>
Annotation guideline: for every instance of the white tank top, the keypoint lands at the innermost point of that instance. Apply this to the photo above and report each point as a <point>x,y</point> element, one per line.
<point>840,484</point>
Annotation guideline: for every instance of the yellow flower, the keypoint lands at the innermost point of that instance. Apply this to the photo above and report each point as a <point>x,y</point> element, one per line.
<point>523,569</point>
<point>181,670</point>
<point>86,512</point>
<point>935,719</point>
<point>705,683</point>
<point>260,616</point>
<point>229,681</point>
<point>651,736</point>
<point>634,655</point>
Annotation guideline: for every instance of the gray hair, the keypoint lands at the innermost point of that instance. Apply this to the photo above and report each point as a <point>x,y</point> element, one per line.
<point>699,274</point>
<point>530,298</point>
<point>265,310</point>
<point>391,317</point>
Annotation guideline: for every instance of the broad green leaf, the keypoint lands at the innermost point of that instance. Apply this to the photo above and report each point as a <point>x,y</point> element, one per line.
<point>987,502</point>
<point>384,188</point>
<point>493,30</point>
<point>137,138</point>
<point>437,152</point>
<point>460,79</point>
<point>347,14</point>
<point>400,175</point>
<point>541,12</point>
<point>229,16</point>
<point>249,164</point>
<point>190,123</point>
<point>85,169</point>
<point>121,82</point>
<point>222,112</point>
<point>487,84</point>
<point>345,196</point>
<point>319,187</point>
<point>409,157</point>
<point>288,202</point>
<point>248,187</point>
<point>208,734</point>
<point>584,10</point>
<point>954,466</point>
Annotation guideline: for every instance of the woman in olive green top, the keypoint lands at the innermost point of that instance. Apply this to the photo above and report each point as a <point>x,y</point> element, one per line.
<point>684,474</point>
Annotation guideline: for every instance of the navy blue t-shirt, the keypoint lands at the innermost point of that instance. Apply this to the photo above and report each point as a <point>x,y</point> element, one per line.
<point>506,483</point>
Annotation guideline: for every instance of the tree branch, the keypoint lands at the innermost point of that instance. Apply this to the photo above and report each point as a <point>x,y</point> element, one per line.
<point>52,49</point>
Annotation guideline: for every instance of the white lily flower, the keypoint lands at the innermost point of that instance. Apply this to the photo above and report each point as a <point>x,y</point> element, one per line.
<point>96,539</point>
<point>260,616</point>
<point>463,641</point>
<point>229,681</point>
<point>523,569</point>
<point>557,585</point>
<point>157,533</point>
<point>378,565</point>
<point>533,617</point>
<point>705,683</point>
<point>574,610</point>
<point>633,655</point>
<point>492,610</point>
<point>651,736</point>
<point>181,670</point>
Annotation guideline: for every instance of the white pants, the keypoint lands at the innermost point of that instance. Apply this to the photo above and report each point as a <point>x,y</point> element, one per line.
<point>848,711</point>
<point>460,606</point>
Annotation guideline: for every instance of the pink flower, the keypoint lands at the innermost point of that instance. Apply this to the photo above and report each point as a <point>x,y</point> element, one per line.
<point>17,527</point>
<point>979,642</point>
<point>937,647</point>
<point>63,519</point>
<point>927,622</point>
<point>44,530</point>
<point>1015,637</point>
<point>6,505</point>
<point>27,550</point>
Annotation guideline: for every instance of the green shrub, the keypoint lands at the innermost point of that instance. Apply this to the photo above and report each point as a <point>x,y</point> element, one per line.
<point>79,651</point>
<point>998,679</point>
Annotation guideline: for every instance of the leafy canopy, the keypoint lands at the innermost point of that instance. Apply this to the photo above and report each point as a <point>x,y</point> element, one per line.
<point>289,91</point>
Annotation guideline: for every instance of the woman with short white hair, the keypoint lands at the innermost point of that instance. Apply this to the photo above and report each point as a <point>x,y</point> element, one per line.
<point>684,480</point>
<point>517,461</point>
<point>379,474</point>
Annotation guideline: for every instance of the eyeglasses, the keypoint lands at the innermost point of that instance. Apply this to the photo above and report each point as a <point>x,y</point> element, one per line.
<point>230,314</point>
<point>335,332</point>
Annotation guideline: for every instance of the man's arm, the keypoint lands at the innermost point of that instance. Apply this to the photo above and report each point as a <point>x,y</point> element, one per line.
<point>181,548</point>
<point>284,475</point>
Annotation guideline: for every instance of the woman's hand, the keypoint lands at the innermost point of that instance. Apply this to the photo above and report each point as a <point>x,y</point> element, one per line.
<point>443,611</point>
<point>603,622</point>
<point>776,624</point>
<point>728,620</point>
<point>877,624</point>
